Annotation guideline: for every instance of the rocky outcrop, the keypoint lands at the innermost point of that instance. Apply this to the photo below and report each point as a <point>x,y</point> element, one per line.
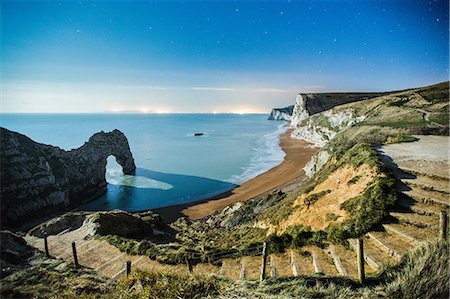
<point>314,120</point>
<point>38,179</point>
<point>313,103</point>
<point>320,128</point>
<point>317,161</point>
<point>281,113</point>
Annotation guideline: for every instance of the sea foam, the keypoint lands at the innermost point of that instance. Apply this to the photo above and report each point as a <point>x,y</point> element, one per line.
<point>266,155</point>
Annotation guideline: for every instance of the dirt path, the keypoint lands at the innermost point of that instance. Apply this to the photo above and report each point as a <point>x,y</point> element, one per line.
<point>422,170</point>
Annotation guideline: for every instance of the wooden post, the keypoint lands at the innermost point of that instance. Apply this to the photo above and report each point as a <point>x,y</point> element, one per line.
<point>360,259</point>
<point>222,269</point>
<point>242,272</point>
<point>128,268</point>
<point>263,262</point>
<point>294,264</point>
<point>189,265</point>
<point>46,245</point>
<point>443,224</point>
<point>273,269</point>
<point>75,258</point>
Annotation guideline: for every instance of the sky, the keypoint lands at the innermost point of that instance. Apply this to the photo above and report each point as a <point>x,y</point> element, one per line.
<point>212,56</point>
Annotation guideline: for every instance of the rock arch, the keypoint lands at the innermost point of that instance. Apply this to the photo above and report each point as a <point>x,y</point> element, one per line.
<point>38,179</point>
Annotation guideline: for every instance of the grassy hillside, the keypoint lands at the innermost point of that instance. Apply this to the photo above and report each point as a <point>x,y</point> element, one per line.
<point>349,196</point>
<point>422,273</point>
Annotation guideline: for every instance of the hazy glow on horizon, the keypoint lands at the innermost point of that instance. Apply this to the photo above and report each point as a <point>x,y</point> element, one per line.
<point>212,56</point>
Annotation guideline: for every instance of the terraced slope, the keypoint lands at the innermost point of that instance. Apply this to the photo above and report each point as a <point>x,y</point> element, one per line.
<point>108,261</point>
<point>422,171</point>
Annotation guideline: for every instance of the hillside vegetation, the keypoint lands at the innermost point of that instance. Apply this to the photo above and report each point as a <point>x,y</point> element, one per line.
<point>352,193</point>
<point>422,273</point>
<point>345,198</point>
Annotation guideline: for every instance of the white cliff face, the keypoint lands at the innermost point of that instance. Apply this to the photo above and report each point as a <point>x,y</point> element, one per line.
<point>322,127</point>
<point>277,114</point>
<point>316,162</point>
<point>319,129</point>
<point>300,113</point>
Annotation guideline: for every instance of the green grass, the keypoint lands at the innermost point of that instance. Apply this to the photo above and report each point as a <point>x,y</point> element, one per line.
<point>401,138</point>
<point>422,273</point>
<point>161,286</point>
<point>44,280</point>
<point>440,118</point>
<point>366,210</point>
<point>420,123</point>
<point>437,93</point>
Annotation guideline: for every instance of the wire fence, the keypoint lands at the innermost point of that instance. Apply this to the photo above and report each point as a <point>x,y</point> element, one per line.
<point>389,241</point>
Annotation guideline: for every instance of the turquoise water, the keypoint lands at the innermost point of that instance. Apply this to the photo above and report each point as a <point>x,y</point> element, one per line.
<point>173,166</point>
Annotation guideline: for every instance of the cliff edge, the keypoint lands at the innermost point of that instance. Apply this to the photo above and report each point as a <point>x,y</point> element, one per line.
<point>38,179</point>
<point>281,113</point>
<point>313,103</point>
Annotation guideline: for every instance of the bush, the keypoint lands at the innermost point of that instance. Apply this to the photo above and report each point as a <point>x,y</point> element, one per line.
<point>164,285</point>
<point>315,197</point>
<point>366,210</point>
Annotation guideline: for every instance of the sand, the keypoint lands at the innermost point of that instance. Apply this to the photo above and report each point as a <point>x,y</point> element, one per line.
<point>298,153</point>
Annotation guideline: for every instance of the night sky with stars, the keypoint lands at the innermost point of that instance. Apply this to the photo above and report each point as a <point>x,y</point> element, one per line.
<point>213,56</point>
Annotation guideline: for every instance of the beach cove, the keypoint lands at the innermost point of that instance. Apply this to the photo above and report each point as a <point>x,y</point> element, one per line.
<point>298,153</point>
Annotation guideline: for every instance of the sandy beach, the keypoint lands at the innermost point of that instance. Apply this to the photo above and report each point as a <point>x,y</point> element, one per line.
<point>298,153</point>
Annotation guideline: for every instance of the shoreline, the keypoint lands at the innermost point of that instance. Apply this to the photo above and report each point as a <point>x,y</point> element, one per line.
<point>298,153</point>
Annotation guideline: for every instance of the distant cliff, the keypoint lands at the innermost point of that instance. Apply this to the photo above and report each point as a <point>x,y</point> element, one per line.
<point>281,113</point>
<point>37,179</point>
<point>313,103</point>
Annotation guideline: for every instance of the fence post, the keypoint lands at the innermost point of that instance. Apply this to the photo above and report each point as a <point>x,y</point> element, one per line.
<point>222,269</point>
<point>46,245</point>
<point>273,270</point>
<point>443,222</point>
<point>189,265</point>
<point>242,272</point>
<point>75,258</point>
<point>293,264</point>
<point>263,262</point>
<point>360,259</point>
<point>128,267</point>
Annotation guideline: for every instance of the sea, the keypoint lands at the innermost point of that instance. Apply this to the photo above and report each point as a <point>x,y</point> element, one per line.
<point>173,165</point>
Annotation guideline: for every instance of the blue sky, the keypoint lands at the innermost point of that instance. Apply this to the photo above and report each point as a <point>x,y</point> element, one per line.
<point>206,56</point>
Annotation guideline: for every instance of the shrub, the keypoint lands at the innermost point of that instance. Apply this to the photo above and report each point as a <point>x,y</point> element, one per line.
<point>366,210</point>
<point>164,285</point>
<point>315,197</point>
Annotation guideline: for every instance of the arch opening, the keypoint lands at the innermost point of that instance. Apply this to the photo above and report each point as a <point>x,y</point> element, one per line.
<point>115,176</point>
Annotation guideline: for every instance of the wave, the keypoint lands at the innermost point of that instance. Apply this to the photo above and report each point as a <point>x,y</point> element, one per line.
<point>266,155</point>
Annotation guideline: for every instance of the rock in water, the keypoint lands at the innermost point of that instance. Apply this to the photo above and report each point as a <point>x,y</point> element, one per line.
<point>38,179</point>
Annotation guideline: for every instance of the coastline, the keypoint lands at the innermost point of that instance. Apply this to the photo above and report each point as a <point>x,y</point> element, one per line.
<point>298,153</point>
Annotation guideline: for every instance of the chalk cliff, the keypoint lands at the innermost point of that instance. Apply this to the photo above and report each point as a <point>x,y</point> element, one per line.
<point>281,113</point>
<point>37,179</point>
<point>314,119</point>
<point>313,103</point>
<point>322,127</point>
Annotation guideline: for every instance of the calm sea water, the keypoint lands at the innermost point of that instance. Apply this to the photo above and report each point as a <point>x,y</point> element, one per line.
<point>173,166</point>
